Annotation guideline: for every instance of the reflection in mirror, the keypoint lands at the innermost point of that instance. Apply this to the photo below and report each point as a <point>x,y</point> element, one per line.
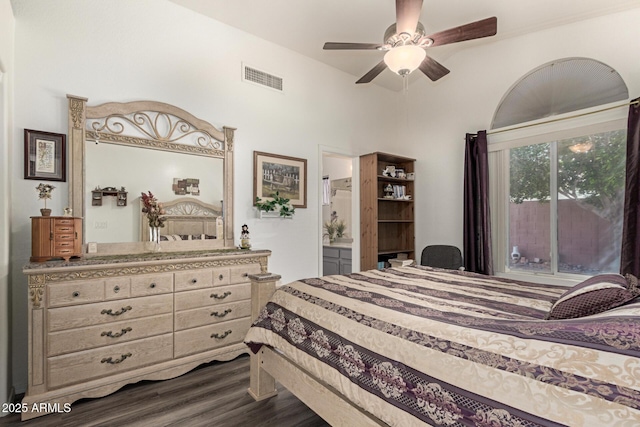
<point>144,146</point>
<point>140,170</point>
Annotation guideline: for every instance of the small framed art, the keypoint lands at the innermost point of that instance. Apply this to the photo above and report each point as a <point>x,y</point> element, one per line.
<point>44,155</point>
<point>275,173</point>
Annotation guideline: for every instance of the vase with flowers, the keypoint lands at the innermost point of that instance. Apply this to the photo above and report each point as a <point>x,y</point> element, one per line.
<point>44,193</point>
<point>154,210</point>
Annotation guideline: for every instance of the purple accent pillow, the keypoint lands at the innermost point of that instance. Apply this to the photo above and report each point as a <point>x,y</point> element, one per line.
<point>595,295</point>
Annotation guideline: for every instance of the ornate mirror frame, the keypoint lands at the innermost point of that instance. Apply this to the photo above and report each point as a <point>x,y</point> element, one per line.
<point>112,122</point>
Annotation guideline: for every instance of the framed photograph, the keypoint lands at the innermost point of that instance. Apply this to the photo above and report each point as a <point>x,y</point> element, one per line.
<point>44,155</point>
<point>286,175</point>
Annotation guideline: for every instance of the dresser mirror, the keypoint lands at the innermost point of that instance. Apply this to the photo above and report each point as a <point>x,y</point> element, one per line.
<point>120,150</point>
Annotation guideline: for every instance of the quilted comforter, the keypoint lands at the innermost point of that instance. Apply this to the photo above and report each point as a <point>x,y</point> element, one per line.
<point>420,346</point>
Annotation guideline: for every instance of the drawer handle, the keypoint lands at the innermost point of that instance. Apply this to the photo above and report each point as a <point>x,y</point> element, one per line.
<point>110,334</point>
<point>152,286</point>
<point>224,313</point>
<point>194,280</point>
<point>220,277</point>
<point>220,336</point>
<point>111,361</point>
<point>245,275</point>
<point>116,313</point>
<point>223,296</point>
<point>116,289</point>
<point>76,294</point>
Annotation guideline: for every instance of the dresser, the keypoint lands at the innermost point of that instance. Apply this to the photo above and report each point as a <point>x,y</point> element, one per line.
<point>55,237</point>
<point>99,323</point>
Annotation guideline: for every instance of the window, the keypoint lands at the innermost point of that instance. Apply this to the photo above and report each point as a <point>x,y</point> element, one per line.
<point>565,204</point>
<point>557,184</point>
<point>557,196</point>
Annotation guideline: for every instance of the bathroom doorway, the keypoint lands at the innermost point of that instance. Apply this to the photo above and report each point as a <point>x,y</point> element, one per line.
<point>340,216</point>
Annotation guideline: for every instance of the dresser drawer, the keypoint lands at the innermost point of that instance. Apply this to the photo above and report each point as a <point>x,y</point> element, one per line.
<point>117,288</point>
<point>62,222</point>
<point>106,312</point>
<point>210,337</point>
<point>90,364</point>
<point>212,315</point>
<point>80,292</point>
<point>240,273</point>
<point>207,297</point>
<point>151,284</point>
<point>112,333</point>
<point>64,234</point>
<point>194,279</point>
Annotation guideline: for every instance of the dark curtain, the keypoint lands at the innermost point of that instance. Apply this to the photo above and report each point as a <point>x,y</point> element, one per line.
<point>630,254</point>
<point>477,218</point>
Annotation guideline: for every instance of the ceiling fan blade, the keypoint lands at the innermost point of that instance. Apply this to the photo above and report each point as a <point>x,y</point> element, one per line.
<point>373,73</point>
<point>342,46</point>
<point>475,30</point>
<point>433,69</point>
<point>407,15</point>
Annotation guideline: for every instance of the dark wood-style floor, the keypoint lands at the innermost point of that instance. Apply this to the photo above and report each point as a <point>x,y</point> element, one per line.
<point>214,395</point>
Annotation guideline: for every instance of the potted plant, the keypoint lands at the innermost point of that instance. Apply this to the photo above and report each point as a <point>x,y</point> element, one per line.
<point>277,204</point>
<point>330,230</point>
<point>44,193</point>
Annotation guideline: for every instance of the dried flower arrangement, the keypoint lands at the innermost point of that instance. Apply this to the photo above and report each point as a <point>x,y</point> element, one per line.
<point>153,209</point>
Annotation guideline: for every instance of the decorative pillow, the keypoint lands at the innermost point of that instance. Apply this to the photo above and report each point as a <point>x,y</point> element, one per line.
<point>595,295</point>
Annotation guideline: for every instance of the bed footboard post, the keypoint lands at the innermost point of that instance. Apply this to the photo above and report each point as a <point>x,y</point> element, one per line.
<point>261,384</point>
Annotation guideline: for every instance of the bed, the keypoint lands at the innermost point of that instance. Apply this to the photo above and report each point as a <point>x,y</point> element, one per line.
<point>187,218</point>
<point>422,346</point>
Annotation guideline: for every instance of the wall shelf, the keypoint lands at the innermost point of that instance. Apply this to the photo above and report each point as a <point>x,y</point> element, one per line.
<point>97,195</point>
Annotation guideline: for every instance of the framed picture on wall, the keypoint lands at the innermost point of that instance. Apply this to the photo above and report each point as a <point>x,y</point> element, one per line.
<point>44,155</point>
<point>286,175</point>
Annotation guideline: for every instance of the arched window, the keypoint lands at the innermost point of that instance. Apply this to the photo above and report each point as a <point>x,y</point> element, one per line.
<point>558,186</point>
<point>559,87</point>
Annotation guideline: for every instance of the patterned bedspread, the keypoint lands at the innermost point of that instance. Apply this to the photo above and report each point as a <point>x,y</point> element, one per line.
<point>420,346</point>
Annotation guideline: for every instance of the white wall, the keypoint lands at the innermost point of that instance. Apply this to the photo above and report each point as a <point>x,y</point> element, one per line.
<point>467,98</point>
<point>124,50</point>
<point>6,116</point>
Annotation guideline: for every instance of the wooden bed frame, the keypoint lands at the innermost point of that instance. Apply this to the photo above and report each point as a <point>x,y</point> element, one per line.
<point>187,216</point>
<point>269,366</point>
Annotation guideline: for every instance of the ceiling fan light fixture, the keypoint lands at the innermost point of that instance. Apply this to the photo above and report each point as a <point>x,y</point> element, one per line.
<point>581,147</point>
<point>402,60</point>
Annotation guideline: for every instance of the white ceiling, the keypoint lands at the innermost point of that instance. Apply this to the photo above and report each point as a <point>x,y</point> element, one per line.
<point>305,25</point>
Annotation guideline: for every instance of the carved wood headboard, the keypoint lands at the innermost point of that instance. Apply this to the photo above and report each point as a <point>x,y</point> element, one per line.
<point>187,216</point>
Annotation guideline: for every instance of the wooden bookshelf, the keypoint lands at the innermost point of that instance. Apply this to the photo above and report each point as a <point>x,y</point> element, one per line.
<point>386,223</point>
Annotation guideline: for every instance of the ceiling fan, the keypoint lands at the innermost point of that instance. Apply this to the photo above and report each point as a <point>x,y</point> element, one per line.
<point>405,42</point>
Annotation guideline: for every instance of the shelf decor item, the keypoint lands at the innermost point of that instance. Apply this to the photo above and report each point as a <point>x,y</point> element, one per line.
<point>244,237</point>
<point>276,204</point>
<point>154,210</point>
<point>44,193</point>
<point>44,155</point>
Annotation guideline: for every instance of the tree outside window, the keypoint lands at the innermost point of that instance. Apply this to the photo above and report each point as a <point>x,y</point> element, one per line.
<point>566,202</point>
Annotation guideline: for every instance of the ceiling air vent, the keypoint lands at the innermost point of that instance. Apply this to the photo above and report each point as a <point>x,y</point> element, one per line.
<point>253,75</point>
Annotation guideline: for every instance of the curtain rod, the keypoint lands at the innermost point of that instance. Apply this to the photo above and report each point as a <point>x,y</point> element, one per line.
<point>634,102</point>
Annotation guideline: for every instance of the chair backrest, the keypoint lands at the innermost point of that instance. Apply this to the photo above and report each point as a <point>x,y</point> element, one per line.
<point>441,256</point>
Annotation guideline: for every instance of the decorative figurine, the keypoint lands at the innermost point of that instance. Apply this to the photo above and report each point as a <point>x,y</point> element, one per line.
<point>389,171</point>
<point>244,237</point>
<point>388,192</point>
<point>67,212</point>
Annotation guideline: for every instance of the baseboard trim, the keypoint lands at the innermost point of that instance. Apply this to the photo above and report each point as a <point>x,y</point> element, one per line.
<point>12,396</point>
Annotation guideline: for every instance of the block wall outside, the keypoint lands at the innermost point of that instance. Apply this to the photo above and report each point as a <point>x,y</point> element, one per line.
<point>584,237</point>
